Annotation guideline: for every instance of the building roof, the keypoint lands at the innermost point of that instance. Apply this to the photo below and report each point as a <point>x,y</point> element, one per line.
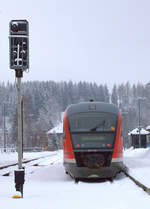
<point>56,130</point>
<point>59,128</point>
<point>136,132</point>
<point>148,127</point>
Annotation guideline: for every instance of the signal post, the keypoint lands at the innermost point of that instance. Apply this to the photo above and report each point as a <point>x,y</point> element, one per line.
<point>19,61</point>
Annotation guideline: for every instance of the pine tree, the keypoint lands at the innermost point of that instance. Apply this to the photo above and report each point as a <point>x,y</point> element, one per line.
<point>114,95</point>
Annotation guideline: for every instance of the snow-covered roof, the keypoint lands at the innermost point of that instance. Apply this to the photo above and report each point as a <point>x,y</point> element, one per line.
<point>136,131</point>
<point>58,129</point>
<point>148,127</point>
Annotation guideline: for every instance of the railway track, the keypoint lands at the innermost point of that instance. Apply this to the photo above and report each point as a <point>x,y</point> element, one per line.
<point>139,184</point>
<point>125,172</point>
<point>5,170</point>
<point>52,160</point>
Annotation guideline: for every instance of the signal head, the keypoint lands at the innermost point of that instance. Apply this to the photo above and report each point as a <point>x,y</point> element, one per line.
<point>19,44</point>
<point>14,27</point>
<point>19,27</point>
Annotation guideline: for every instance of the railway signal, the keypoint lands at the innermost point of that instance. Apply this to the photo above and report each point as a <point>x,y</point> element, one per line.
<point>19,61</point>
<point>19,44</point>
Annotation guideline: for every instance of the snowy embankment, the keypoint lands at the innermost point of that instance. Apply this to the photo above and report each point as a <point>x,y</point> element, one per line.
<point>138,162</point>
<point>48,187</point>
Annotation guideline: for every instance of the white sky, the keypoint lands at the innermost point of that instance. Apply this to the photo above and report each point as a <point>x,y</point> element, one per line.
<point>100,41</point>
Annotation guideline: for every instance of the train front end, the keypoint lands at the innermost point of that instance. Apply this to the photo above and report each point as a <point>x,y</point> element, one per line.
<point>92,140</point>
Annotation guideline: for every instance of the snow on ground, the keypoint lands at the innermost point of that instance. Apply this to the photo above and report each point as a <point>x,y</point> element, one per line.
<point>48,187</point>
<point>138,162</point>
<point>12,157</point>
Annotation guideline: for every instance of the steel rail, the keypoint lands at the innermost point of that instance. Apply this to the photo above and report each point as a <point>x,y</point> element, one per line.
<point>24,161</point>
<point>139,184</point>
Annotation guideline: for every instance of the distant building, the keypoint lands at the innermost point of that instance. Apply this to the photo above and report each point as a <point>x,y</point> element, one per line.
<point>55,136</point>
<point>134,138</point>
<point>148,128</point>
<point>148,136</point>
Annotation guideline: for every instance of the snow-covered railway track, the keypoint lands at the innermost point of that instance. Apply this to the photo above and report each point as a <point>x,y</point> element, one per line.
<point>50,161</point>
<point>139,184</point>
<point>125,172</point>
<point>5,170</point>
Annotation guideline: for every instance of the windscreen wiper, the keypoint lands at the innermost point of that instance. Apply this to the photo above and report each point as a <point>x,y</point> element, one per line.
<point>98,126</point>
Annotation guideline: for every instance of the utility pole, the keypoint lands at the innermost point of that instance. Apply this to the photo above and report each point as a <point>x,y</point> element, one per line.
<point>19,61</point>
<point>4,127</point>
<point>139,105</point>
<point>22,114</point>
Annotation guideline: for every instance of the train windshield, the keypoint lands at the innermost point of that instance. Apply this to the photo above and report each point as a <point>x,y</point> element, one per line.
<point>93,130</point>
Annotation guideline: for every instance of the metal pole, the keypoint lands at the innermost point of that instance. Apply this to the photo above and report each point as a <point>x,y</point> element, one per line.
<point>20,173</point>
<point>22,124</point>
<point>19,124</point>
<point>4,130</point>
<point>139,125</point>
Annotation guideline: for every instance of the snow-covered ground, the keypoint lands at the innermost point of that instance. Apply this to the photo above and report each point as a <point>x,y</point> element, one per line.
<point>48,187</point>
<point>138,162</point>
<point>12,157</point>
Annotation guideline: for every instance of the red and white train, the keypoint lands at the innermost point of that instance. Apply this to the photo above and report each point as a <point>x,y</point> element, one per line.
<point>93,145</point>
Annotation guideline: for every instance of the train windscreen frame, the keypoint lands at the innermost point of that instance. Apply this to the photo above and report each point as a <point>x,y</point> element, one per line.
<point>93,130</point>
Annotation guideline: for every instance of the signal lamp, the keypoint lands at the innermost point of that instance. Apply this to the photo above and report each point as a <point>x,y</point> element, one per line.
<point>19,44</point>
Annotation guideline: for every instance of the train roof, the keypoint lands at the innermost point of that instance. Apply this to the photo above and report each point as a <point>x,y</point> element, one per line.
<point>92,107</point>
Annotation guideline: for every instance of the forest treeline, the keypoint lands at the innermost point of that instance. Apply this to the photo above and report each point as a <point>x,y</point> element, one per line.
<point>43,103</point>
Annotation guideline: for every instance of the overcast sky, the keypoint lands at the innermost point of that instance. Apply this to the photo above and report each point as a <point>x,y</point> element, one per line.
<point>102,41</point>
